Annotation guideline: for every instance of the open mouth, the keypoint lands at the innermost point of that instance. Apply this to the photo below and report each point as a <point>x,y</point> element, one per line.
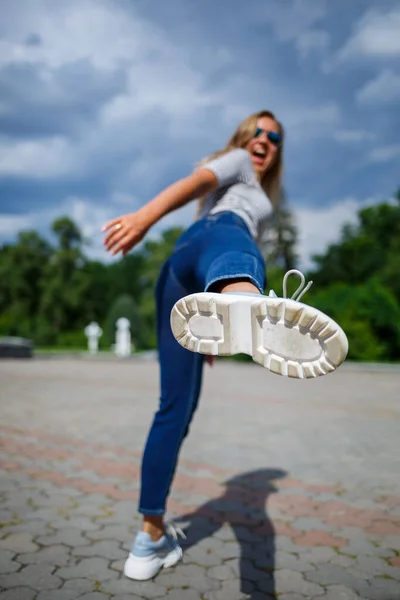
<point>258,156</point>
<point>259,152</point>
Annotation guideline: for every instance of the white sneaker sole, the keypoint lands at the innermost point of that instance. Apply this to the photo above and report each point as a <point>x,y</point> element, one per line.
<point>287,337</point>
<point>145,568</point>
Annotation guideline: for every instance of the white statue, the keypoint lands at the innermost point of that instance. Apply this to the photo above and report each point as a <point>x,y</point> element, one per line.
<point>93,332</point>
<point>123,338</point>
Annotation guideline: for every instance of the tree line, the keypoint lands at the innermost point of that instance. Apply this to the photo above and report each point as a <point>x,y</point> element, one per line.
<point>50,292</point>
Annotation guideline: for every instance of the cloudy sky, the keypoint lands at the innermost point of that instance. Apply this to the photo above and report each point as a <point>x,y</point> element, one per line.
<point>104,102</point>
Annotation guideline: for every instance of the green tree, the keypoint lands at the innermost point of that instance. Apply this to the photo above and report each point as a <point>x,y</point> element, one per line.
<point>278,244</point>
<point>22,268</point>
<point>364,249</point>
<point>62,303</point>
<point>124,306</point>
<point>155,253</point>
<point>357,282</point>
<point>68,233</point>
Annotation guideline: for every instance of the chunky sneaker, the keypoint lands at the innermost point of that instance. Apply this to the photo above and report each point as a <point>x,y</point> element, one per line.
<point>282,334</point>
<point>146,557</point>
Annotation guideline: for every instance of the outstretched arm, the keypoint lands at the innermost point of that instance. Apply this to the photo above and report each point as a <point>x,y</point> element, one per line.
<point>127,231</point>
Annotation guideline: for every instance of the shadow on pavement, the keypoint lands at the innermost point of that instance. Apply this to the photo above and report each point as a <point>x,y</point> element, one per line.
<point>243,507</point>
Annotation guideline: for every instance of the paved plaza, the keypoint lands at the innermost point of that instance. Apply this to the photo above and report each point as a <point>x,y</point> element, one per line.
<point>286,489</point>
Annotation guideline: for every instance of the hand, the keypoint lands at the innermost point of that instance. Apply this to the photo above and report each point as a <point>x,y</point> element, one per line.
<point>210,360</point>
<point>124,233</point>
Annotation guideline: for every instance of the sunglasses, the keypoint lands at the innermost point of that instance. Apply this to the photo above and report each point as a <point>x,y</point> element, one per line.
<point>273,137</point>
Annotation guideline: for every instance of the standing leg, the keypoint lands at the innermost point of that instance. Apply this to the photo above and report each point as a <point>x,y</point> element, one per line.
<point>181,374</point>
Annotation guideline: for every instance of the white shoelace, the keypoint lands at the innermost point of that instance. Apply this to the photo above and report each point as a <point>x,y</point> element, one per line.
<point>174,532</point>
<point>299,293</point>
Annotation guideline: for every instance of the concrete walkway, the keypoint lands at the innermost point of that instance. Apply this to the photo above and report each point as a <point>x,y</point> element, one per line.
<point>288,489</point>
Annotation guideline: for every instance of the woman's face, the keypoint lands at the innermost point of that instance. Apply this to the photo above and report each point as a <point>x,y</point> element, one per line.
<point>262,149</point>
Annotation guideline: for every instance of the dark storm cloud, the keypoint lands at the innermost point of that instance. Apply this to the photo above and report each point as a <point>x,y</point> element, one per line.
<point>38,101</point>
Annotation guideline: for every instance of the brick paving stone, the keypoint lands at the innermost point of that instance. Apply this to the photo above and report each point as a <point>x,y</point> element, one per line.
<point>295,597</point>
<point>20,593</point>
<point>5,484</point>
<point>192,499</point>
<point>19,518</point>
<point>54,501</point>
<point>230,550</point>
<point>222,572</point>
<point>78,586</point>
<point>285,560</point>
<point>245,569</point>
<point>208,544</point>
<point>319,538</point>
<point>251,550</point>
<point>118,565</point>
<point>316,555</point>
<point>244,534</point>
<point>112,532</point>
<point>353,533</point>
<point>69,536</point>
<point>86,500</point>
<point>7,564</point>
<point>392,542</point>
<point>147,589</point>
<point>327,574</point>
<point>231,590</point>
<point>57,595</point>
<point>127,597</point>
<point>123,512</point>
<point>339,592</point>
<point>18,542</point>
<point>369,566</point>
<point>5,516</point>
<point>93,511</point>
<point>126,544</point>
<point>311,523</point>
<point>53,489</point>
<point>38,577</point>
<point>96,568</point>
<point>57,555</point>
<point>225,534</point>
<point>92,596</point>
<point>105,549</point>
<point>395,561</point>
<point>47,514</point>
<point>267,584</point>
<point>365,547</point>
<point>81,523</point>
<point>19,500</point>
<point>379,589</point>
<point>265,563</point>
<point>283,542</point>
<point>287,581</point>
<point>183,595</point>
<point>343,560</point>
<point>188,576</point>
<point>33,527</point>
<point>202,557</point>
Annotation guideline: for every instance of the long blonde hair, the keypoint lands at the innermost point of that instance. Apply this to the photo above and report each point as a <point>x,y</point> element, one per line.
<point>271,181</point>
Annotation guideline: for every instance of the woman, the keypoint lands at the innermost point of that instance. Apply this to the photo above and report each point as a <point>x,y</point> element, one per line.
<point>210,292</point>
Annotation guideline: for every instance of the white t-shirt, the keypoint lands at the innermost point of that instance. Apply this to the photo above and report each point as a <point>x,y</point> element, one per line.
<point>239,192</point>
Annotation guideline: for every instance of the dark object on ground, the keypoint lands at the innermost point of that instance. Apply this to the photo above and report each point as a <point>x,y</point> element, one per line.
<point>15,347</point>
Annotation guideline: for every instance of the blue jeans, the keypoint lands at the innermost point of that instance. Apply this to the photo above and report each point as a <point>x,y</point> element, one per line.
<point>216,248</point>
